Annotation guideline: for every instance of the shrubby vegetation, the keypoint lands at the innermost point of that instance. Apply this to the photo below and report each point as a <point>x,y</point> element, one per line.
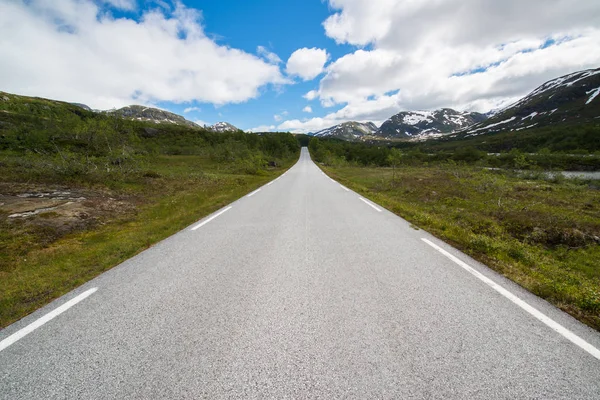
<point>140,183</point>
<point>542,233</point>
<point>336,152</point>
<point>71,143</point>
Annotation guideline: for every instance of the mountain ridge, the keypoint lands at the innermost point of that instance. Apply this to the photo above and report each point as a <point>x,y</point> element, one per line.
<point>223,127</point>
<point>571,98</point>
<point>151,114</point>
<point>351,130</point>
<point>427,124</point>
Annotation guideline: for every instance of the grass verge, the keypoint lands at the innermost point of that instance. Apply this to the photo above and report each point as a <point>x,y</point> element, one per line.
<point>543,234</point>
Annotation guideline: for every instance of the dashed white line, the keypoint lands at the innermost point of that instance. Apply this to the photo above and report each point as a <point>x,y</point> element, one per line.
<point>253,193</point>
<point>371,205</point>
<point>345,188</point>
<point>201,224</point>
<point>555,326</point>
<point>39,322</point>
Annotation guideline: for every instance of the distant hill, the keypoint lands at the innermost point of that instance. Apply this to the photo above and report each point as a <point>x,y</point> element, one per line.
<point>570,99</point>
<point>223,127</point>
<point>348,131</point>
<point>427,124</point>
<point>142,113</point>
<point>85,107</point>
<point>16,110</point>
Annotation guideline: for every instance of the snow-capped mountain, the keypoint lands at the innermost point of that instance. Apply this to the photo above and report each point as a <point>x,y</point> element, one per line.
<point>427,124</point>
<point>142,113</point>
<point>349,130</point>
<point>573,98</point>
<point>223,127</point>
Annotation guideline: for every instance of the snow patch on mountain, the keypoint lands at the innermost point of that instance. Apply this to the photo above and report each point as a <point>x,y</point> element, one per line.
<point>223,127</point>
<point>349,131</point>
<point>149,114</point>
<point>567,99</point>
<point>594,93</point>
<point>427,124</point>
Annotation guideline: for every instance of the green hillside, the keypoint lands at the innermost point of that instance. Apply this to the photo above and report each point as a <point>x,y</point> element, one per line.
<point>81,191</point>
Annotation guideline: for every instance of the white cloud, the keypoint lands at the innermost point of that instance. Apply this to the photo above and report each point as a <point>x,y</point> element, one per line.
<point>75,51</point>
<point>271,57</point>
<point>201,123</point>
<point>190,109</point>
<point>313,94</point>
<point>465,54</point>
<point>374,110</point>
<point>307,109</point>
<point>412,24</point>
<point>307,63</point>
<point>263,128</point>
<point>122,4</point>
<point>280,116</point>
<point>309,126</point>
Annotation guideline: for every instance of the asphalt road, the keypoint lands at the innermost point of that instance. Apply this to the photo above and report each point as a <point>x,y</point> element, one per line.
<point>299,290</point>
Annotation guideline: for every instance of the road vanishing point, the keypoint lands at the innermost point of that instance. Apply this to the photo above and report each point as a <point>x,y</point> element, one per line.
<point>300,290</point>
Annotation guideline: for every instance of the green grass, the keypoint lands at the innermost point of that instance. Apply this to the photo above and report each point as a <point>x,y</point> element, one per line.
<point>544,235</point>
<point>170,194</point>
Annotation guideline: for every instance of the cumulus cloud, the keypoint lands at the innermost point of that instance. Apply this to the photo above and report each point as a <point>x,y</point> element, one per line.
<point>313,94</point>
<point>374,110</point>
<point>405,24</point>
<point>307,126</point>
<point>452,77</point>
<point>75,50</point>
<point>307,63</point>
<point>263,128</point>
<point>307,109</point>
<point>466,54</point>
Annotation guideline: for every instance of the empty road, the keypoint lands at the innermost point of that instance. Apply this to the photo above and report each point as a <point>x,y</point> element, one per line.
<point>301,289</point>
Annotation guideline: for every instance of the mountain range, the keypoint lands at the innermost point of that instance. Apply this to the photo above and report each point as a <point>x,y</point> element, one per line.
<point>427,124</point>
<point>150,114</point>
<point>349,131</point>
<point>416,125</point>
<point>573,98</point>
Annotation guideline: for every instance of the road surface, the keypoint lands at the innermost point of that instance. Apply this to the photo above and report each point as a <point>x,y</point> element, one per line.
<point>301,289</point>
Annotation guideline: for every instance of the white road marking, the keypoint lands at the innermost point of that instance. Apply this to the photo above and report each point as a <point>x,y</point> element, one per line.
<point>555,326</point>
<point>368,203</point>
<point>201,224</point>
<point>253,193</point>
<point>41,321</point>
<point>345,188</point>
<point>269,184</point>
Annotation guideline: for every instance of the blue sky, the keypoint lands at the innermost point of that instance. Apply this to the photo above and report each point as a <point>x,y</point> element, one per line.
<point>300,65</point>
<point>280,26</point>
